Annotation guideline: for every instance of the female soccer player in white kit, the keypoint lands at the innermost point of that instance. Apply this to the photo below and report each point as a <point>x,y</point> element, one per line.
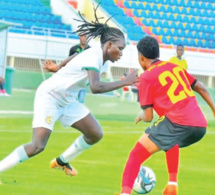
<point>55,98</point>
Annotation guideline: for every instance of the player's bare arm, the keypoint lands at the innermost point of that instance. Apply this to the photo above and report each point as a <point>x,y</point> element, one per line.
<point>98,86</point>
<point>50,66</point>
<point>1,80</point>
<point>199,88</point>
<point>146,115</point>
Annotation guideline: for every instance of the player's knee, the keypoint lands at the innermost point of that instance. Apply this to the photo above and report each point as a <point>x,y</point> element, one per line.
<point>96,137</point>
<point>38,148</point>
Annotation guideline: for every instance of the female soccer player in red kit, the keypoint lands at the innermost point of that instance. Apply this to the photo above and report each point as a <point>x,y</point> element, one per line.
<point>168,89</point>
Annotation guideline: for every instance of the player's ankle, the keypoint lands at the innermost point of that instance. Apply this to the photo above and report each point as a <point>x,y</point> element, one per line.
<point>60,162</point>
<point>173,183</point>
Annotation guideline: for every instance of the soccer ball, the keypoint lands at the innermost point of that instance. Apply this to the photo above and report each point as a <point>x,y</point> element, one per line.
<point>145,181</point>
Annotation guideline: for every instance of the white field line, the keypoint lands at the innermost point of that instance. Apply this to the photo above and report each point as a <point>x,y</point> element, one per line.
<point>15,112</point>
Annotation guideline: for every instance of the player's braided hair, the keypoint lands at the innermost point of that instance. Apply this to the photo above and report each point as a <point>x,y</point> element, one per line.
<point>149,47</point>
<point>97,29</point>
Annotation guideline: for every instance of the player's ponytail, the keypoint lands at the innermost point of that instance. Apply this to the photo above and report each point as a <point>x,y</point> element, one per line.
<point>97,29</point>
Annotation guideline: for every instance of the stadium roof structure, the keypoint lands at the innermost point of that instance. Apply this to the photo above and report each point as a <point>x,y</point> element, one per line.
<point>5,24</point>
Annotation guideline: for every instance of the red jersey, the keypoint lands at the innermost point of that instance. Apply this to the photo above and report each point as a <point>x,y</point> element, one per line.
<point>167,88</point>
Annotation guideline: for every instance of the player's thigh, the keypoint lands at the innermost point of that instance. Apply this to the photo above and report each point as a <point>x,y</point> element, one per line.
<point>74,112</point>
<point>148,143</point>
<point>41,135</point>
<point>89,126</point>
<point>46,111</point>
<point>77,115</point>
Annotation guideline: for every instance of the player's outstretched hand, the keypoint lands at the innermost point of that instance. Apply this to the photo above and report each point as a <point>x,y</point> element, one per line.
<point>132,78</point>
<point>139,118</point>
<point>49,66</point>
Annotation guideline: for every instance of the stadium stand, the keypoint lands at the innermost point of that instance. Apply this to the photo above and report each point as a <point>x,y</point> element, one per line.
<point>191,23</point>
<point>48,34</point>
<point>33,17</point>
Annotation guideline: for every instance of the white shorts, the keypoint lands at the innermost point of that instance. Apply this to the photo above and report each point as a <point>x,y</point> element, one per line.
<point>47,111</point>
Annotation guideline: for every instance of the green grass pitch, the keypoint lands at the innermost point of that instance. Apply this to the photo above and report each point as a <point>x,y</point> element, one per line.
<point>100,168</point>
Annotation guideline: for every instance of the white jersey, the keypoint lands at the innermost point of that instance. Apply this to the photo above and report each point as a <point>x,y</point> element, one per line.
<point>65,84</point>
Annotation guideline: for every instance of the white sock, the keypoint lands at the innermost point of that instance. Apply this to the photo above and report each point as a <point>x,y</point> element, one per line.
<point>172,183</point>
<point>78,146</point>
<point>15,157</point>
<point>125,194</point>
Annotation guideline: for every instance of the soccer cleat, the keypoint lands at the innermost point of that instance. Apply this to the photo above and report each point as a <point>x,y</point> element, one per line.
<point>170,190</point>
<point>68,170</point>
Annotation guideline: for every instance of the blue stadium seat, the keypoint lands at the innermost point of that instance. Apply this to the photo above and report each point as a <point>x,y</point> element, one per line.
<point>209,6</point>
<point>209,29</point>
<point>165,24</point>
<point>185,42</point>
<point>183,10</point>
<point>192,43</point>
<point>171,40</point>
<point>127,4</point>
<point>167,40</point>
<point>148,7</point>
<point>205,21</point>
<point>189,4</point>
<point>144,14</point>
<point>185,19</point>
<point>29,14</point>
<point>174,25</point>
<point>211,44</point>
<point>200,43</point>
<point>171,17</point>
<point>152,22</point>
<point>206,45</point>
<point>151,14</point>
<point>161,31</point>
<point>168,32</point>
<point>141,6</point>
<point>176,10</point>
<point>156,31</point>
<point>169,9</point>
<point>162,8</point>
<point>164,16</point>
<point>134,5</point>
<point>155,7</point>
<point>187,10</point>
<point>180,25</point>
<point>192,19</point>
<point>201,28</point>
<point>178,41</point>
<point>159,23</point>
<point>170,2</point>
<point>178,17</point>
<point>211,36</point>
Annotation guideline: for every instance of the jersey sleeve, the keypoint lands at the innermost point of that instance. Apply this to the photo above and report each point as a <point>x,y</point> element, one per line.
<point>145,93</point>
<point>191,79</point>
<point>93,60</point>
